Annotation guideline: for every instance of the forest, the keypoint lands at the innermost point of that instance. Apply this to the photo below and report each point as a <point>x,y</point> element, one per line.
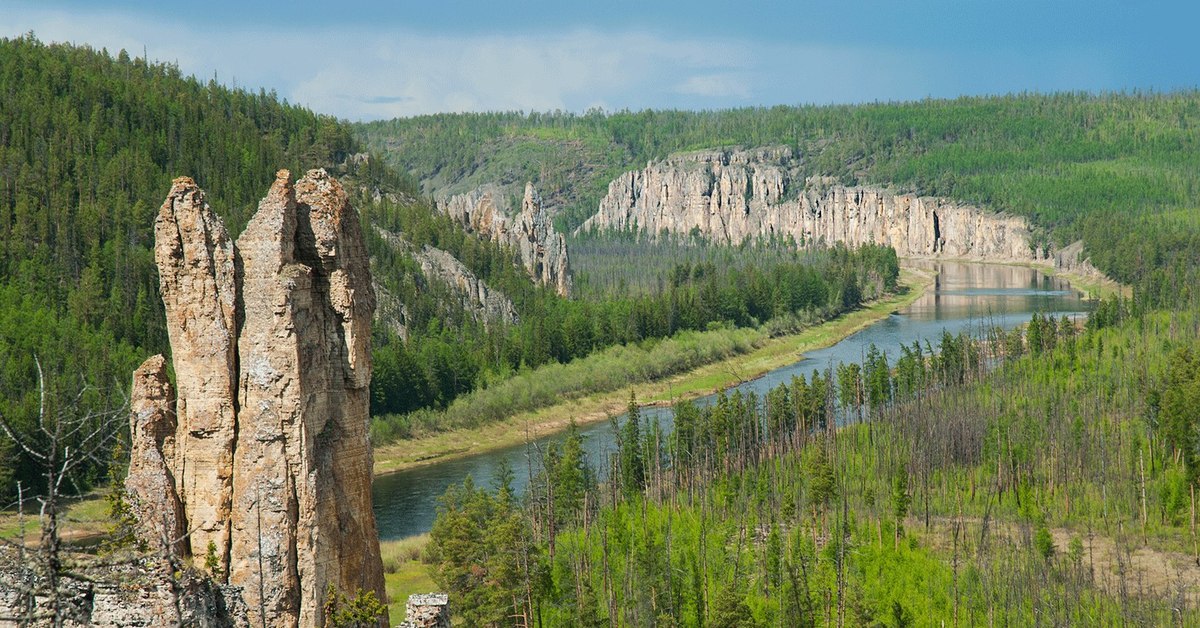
<point>1073,163</point>
<point>89,144</point>
<point>1010,480</point>
<point>758,286</point>
<point>80,182</point>
<point>1019,478</point>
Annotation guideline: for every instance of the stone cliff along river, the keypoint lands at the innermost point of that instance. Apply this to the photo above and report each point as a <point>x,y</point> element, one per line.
<point>964,296</point>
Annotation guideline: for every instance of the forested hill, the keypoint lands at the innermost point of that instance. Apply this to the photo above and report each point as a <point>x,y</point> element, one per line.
<point>1120,171</point>
<point>89,144</point>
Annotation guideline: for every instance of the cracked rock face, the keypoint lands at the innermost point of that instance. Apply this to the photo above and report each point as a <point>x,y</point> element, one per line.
<point>284,372</point>
<point>484,303</point>
<point>729,196</point>
<point>543,251</point>
<point>150,482</point>
<point>198,282</point>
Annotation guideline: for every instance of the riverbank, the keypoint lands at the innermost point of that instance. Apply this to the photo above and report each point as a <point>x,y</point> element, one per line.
<point>88,516</point>
<point>1095,287</point>
<point>770,354</point>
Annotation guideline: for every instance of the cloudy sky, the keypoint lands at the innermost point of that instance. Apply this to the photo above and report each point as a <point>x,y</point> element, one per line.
<point>365,60</point>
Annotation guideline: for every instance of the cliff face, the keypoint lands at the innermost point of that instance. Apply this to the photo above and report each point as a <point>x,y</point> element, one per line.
<point>483,302</point>
<point>729,196</point>
<point>197,278</point>
<point>152,456</point>
<point>271,348</point>
<point>543,250</point>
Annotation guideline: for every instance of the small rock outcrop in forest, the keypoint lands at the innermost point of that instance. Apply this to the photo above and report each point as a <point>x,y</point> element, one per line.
<point>484,303</point>
<point>729,196</point>
<point>543,250</point>
<point>265,439</point>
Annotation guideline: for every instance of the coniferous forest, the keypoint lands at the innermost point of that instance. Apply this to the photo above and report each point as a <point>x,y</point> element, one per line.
<point>89,144</point>
<point>1043,475</point>
<point>1074,163</point>
<point>1020,479</point>
<point>82,180</point>
<point>1032,477</point>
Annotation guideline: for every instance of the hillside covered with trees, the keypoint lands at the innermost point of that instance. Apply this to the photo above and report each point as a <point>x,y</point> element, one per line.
<point>1019,476</point>
<point>89,144</point>
<point>1042,475</point>
<point>1074,163</point>
<point>1057,488</point>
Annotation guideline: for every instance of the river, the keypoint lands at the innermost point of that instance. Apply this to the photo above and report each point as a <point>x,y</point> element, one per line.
<point>964,296</point>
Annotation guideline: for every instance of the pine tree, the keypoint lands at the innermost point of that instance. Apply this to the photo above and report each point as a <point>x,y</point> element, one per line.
<point>633,466</point>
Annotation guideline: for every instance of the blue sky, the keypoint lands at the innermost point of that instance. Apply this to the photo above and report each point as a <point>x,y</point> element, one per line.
<point>366,60</point>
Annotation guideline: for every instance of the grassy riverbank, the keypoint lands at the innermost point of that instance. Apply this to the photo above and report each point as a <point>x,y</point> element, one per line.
<point>403,572</point>
<point>767,353</point>
<point>1094,287</point>
<point>757,354</point>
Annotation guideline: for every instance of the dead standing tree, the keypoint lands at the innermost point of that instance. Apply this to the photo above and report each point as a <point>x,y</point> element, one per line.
<point>68,437</point>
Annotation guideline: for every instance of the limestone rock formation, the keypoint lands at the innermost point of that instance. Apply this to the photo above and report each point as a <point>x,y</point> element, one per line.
<point>278,301</point>
<point>197,279</point>
<point>485,303</point>
<point>729,196</point>
<point>271,344</point>
<point>543,250</point>
<point>150,482</point>
<point>1071,259</point>
<point>391,312</point>
<point>118,595</point>
<point>477,297</point>
<point>427,610</point>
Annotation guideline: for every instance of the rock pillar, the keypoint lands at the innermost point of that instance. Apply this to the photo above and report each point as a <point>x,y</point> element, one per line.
<point>271,346</point>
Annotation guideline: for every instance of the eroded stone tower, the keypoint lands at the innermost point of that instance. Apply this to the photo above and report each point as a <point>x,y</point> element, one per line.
<point>265,440</point>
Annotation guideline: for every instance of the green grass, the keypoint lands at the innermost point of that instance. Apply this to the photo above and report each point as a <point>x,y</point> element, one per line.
<point>86,517</point>
<point>404,573</point>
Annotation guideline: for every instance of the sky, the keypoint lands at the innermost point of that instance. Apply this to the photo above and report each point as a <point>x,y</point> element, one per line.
<point>380,59</point>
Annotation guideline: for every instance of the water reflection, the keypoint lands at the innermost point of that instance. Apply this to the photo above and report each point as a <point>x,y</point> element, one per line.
<point>964,296</point>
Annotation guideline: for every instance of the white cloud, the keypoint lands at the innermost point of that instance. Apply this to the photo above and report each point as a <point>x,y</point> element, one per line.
<point>415,73</point>
<point>384,72</point>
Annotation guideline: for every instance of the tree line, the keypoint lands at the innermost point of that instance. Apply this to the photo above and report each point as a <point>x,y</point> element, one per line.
<point>855,497</point>
<point>89,144</point>
<point>1073,163</point>
<point>440,362</point>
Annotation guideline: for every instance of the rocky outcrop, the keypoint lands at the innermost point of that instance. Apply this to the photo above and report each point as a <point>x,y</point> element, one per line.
<point>427,610</point>
<point>543,251</point>
<point>197,279</point>
<point>391,312</point>
<point>150,482</point>
<point>476,297</point>
<point>102,593</point>
<point>1071,259</point>
<point>271,348</point>
<point>484,303</point>
<point>731,196</point>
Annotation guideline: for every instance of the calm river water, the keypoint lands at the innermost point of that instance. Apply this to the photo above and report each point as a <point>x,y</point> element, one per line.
<point>964,296</point>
